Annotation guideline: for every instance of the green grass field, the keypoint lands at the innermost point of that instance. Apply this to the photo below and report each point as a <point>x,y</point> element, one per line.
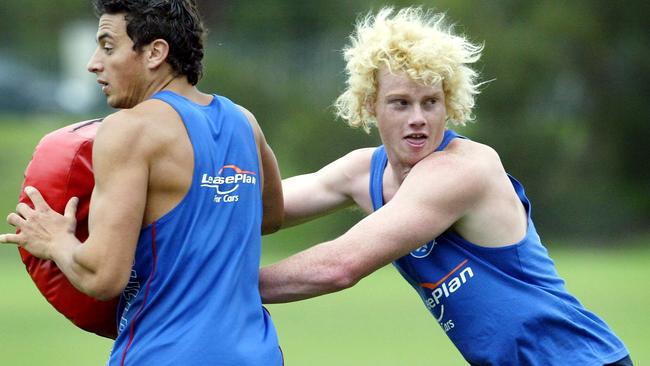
<point>381,321</point>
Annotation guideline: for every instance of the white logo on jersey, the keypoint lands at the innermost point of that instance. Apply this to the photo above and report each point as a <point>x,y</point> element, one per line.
<point>226,185</point>
<point>445,288</point>
<point>130,292</point>
<point>424,250</point>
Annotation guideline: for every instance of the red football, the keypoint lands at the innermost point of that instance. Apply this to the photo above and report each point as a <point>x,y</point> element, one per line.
<point>61,168</point>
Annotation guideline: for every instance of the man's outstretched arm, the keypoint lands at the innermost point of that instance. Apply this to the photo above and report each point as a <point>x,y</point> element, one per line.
<point>422,209</point>
<point>337,185</point>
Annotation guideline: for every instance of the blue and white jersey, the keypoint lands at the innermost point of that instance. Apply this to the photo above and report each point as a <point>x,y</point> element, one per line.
<point>193,296</point>
<point>501,306</point>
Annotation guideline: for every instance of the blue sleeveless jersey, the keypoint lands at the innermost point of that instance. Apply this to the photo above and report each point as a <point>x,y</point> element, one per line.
<point>501,306</point>
<point>193,296</point>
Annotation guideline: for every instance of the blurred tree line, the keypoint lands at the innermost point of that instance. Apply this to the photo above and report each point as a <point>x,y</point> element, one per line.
<point>567,107</point>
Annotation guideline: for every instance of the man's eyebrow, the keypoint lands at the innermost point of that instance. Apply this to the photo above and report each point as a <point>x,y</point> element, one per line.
<point>396,95</point>
<point>103,36</point>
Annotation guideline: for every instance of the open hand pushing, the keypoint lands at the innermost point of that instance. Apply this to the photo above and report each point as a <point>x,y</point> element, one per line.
<point>39,227</point>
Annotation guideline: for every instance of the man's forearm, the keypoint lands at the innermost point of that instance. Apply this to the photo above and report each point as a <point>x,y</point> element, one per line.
<point>308,274</point>
<point>83,269</point>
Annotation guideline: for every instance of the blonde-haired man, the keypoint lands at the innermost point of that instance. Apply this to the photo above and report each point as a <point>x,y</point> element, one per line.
<point>441,208</point>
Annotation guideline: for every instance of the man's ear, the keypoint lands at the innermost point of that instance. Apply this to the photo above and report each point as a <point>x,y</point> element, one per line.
<point>158,50</point>
<point>370,105</point>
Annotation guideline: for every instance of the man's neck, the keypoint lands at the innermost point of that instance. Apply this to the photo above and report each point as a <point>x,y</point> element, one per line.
<point>180,86</point>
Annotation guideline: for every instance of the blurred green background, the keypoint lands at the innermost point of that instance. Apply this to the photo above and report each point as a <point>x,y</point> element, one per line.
<point>567,110</point>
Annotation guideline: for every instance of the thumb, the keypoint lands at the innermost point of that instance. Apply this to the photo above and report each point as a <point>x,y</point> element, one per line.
<point>71,208</point>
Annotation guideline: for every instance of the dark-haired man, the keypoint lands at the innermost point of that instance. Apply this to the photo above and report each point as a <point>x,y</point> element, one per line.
<point>176,211</point>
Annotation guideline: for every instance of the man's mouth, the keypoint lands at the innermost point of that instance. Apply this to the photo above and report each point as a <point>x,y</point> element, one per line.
<point>104,85</point>
<point>416,139</point>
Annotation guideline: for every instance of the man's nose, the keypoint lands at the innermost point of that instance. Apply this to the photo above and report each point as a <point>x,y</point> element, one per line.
<point>417,118</point>
<point>94,65</point>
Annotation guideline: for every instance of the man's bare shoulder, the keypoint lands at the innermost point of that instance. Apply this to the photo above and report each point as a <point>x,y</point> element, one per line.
<point>142,129</point>
<point>119,128</point>
<point>466,168</point>
<point>153,118</point>
<point>354,167</point>
<point>462,157</point>
<point>357,162</point>
<point>350,168</point>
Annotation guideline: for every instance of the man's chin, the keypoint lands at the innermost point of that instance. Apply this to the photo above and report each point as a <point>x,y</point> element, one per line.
<point>117,104</point>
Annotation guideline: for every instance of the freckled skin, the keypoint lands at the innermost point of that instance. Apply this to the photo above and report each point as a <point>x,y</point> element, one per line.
<point>405,109</point>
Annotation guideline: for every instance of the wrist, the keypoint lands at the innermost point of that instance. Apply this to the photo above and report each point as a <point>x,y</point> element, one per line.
<point>62,249</point>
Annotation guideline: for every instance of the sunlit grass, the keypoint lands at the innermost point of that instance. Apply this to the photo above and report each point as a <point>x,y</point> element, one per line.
<point>378,322</point>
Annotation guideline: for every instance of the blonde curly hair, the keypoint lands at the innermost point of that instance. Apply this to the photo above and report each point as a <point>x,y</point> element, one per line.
<point>418,43</point>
